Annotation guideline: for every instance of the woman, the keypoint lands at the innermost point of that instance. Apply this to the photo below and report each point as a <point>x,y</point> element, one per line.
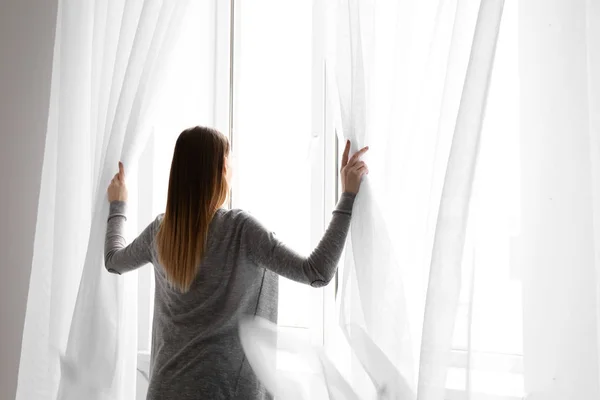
<point>213,266</point>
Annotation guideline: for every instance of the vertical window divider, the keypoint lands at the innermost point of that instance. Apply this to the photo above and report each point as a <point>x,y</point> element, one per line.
<point>231,84</point>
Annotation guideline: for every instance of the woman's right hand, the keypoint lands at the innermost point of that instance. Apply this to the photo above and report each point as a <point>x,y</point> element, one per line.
<point>353,169</point>
<point>117,190</point>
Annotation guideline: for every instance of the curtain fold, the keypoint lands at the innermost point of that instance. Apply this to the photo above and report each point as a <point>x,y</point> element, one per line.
<point>445,270</point>
<point>80,328</point>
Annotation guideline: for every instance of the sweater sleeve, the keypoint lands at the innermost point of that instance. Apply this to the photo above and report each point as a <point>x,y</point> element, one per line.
<point>118,256</point>
<point>317,270</point>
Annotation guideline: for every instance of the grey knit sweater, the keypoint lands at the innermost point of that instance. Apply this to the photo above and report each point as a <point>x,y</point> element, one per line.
<point>196,350</point>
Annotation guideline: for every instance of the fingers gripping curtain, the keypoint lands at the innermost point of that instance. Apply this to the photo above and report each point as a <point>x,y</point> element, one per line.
<point>417,100</point>
<point>109,60</point>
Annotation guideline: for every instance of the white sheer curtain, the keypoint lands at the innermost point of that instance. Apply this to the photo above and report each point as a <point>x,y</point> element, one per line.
<point>80,327</point>
<point>411,80</point>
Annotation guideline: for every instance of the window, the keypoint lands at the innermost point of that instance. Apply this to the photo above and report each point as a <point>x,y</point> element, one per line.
<point>276,148</point>
<point>261,81</point>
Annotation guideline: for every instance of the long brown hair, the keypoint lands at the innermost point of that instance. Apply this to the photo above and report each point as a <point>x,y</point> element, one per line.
<point>197,188</point>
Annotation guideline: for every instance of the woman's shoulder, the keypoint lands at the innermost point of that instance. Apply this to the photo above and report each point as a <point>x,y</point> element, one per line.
<point>232,212</point>
<point>239,217</point>
<point>228,217</point>
<point>155,225</point>
<point>158,219</point>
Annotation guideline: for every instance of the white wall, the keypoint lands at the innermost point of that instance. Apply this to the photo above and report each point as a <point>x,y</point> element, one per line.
<point>26,46</point>
<point>557,204</point>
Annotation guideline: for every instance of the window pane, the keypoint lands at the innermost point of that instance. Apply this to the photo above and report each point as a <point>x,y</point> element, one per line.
<point>272,131</point>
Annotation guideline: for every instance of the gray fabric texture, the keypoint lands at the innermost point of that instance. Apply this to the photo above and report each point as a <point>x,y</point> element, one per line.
<point>196,351</point>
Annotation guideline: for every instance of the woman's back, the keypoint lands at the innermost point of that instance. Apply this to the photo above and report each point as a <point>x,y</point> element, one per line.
<point>195,343</point>
<point>196,352</point>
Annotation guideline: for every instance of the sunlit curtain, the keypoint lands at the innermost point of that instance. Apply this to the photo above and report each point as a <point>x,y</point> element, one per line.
<point>473,265</point>
<point>80,328</point>
<point>410,79</point>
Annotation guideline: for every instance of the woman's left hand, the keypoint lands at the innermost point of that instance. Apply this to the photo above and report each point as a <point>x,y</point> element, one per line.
<point>117,190</point>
